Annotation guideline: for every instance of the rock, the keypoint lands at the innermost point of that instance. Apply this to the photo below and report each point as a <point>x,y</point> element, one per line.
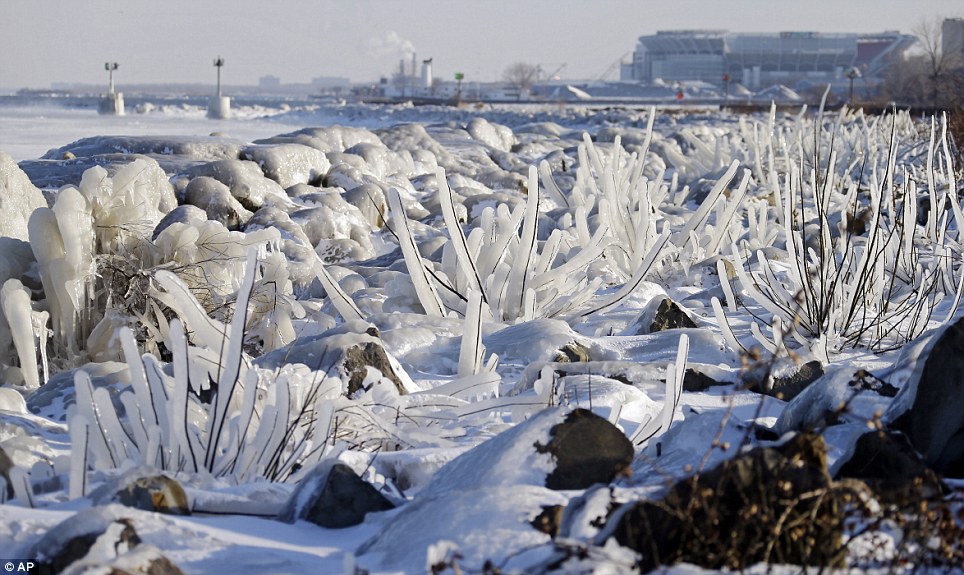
<point>336,499</point>
<point>288,164</point>
<point>6,464</point>
<point>549,520</point>
<point>554,448</point>
<point>53,398</point>
<point>572,352</point>
<point>152,492</point>
<point>370,201</point>
<point>184,214</point>
<point>352,350</point>
<point>245,181</point>
<point>538,340</point>
<point>786,387</point>
<point>694,380</point>
<point>101,540</point>
<point>663,314</point>
<point>18,199</point>
<point>120,534</point>
<point>487,524</point>
<point>930,406</point>
<point>368,354</point>
<point>587,450</point>
<point>888,463</point>
<point>728,517</point>
<point>841,394</point>
<point>217,202</point>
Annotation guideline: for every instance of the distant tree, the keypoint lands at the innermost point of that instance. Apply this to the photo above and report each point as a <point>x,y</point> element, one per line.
<point>943,70</point>
<point>926,76</point>
<point>522,76</point>
<point>905,81</point>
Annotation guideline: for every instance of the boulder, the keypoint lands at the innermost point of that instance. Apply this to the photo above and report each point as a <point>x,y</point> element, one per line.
<point>888,463</point>
<point>487,524</point>
<point>572,352</point>
<point>352,350</point>
<point>335,497</point>
<point>6,464</point>
<point>842,394</point>
<point>555,448</point>
<point>786,385</point>
<point>245,181</point>
<point>98,539</point>
<point>695,380</point>
<point>662,314</point>
<point>587,450</point>
<point>18,199</point>
<point>930,406</point>
<point>217,202</point>
<point>184,214</point>
<point>289,164</point>
<point>147,491</point>
<point>753,508</point>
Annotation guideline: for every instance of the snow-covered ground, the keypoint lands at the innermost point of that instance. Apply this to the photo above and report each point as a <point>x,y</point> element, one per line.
<point>415,230</point>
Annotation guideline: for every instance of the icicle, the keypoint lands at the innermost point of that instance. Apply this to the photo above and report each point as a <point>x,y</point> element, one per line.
<point>427,295</point>
<point>231,362</point>
<point>521,262</point>
<point>471,350</point>
<point>15,302</point>
<point>178,413</point>
<point>79,435</point>
<point>342,301</point>
<point>206,332</point>
<point>682,236</point>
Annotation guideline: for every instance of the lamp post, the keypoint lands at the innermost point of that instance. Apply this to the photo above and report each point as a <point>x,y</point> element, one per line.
<point>852,73</point>
<point>726,89</point>
<point>110,67</point>
<point>219,107</point>
<point>219,63</point>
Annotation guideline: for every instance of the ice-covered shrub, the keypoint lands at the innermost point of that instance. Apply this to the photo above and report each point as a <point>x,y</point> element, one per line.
<point>229,419</point>
<point>862,266</point>
<point>502,259</point>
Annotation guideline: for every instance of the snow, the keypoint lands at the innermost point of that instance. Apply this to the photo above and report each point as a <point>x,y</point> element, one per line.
<point>305,223</point>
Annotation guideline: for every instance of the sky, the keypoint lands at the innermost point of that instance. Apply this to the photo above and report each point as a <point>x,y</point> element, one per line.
<point>43,42</point>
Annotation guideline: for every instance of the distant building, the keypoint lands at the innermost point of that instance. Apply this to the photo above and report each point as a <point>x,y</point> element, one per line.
<point>329,83</point>
<point>269,81</point>
<point>798,60</point>
<point>952,36</point>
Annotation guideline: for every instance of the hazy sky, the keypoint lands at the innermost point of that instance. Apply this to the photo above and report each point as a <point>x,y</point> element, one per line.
<point>46,41</point>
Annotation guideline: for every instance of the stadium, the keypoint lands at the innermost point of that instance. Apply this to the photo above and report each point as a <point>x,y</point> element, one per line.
<point>798,60</point>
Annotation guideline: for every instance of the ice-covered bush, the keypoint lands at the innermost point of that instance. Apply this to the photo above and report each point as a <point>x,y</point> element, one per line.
<point>211,412</point>
<point>862,265</point>
<point>502,259</point>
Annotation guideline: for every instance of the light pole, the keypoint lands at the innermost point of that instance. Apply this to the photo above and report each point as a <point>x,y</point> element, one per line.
<point>726,89</point>
<point>852,73</point>
<point>219,63</point>
<point>110,67</point>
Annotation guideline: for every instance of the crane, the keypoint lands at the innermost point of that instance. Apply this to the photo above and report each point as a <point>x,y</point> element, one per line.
<point>554,75</point>
<point>612,67</point>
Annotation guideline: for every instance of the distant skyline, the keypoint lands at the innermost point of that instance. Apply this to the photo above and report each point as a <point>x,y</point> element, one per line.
<point>43,42</point>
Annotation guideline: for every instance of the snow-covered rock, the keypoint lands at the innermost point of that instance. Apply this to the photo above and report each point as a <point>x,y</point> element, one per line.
<point>18,199</point>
